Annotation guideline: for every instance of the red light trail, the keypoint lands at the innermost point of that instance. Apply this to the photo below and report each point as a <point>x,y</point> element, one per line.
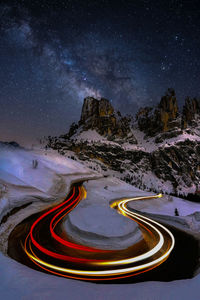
<point>68,259</point>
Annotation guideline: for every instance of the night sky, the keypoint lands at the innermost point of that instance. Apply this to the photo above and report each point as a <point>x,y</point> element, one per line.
<point>55,53</point>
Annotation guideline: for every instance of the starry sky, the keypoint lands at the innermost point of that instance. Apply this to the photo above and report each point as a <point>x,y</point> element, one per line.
<point>55,53</point>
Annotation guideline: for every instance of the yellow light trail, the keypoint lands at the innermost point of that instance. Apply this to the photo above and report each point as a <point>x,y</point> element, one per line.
<point>155,255</point>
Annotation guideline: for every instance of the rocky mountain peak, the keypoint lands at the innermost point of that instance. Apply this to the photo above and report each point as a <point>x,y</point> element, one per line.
<point>162,118</point>
<point>191,110</point>
<point>100,115</point>
<point>168,109</point>
<point>93,108</point>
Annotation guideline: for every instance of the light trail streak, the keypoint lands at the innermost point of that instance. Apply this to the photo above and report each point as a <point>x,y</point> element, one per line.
<point>104,269</point>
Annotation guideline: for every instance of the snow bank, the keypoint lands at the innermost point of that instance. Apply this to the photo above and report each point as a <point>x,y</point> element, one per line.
<point>94,217</point>
<point>99,225</point>
<point>103,221</point>
<point>20,282</point>
<point>21,183</point>
<point>166,206</point>
<point>19,164</point>
<point>89,135</point>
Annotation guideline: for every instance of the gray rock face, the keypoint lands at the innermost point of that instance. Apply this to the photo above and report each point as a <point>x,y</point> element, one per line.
<point>178,163</point>
<point>165,119</point>
<point>191,111</point>
<point>100,115</point>
<point>90,110</point>
<point>161,119</point>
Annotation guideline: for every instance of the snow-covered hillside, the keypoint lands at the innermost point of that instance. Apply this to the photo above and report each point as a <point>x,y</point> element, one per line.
<point>170,166</point>
<point>22,182</point>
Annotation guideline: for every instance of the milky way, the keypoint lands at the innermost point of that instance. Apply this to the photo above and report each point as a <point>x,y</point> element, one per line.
<point>55,53</point>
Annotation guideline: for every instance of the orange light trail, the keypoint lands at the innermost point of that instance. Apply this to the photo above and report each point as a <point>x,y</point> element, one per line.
<point>84,268</point>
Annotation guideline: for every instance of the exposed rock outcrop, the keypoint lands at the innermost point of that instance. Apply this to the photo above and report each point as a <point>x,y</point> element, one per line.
<point>101,116</point>
<point>168,110</point>
<point>191,111</point>
<point>163,118</point>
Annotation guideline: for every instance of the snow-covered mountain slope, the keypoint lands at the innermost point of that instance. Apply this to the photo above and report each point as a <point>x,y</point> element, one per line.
<point>170,166</point>
<point>165,158</point>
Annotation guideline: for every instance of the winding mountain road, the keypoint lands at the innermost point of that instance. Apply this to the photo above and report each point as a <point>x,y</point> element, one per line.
<point>49,248</point>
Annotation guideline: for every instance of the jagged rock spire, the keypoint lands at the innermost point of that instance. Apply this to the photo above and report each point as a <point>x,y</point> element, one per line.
<point>160,119</point>
<point>191,109</point>
<point>101,116</point>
